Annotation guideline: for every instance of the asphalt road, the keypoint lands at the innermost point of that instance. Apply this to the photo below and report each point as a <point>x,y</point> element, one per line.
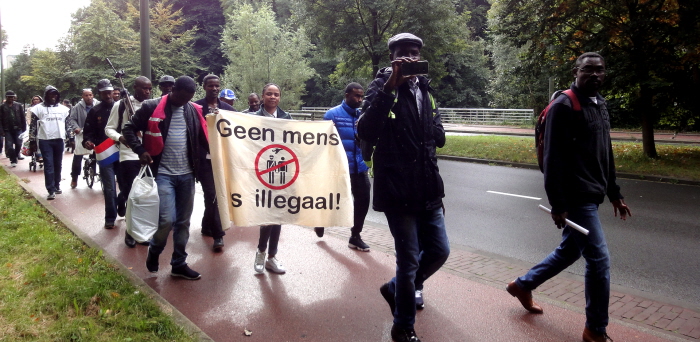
<point>655,251</point>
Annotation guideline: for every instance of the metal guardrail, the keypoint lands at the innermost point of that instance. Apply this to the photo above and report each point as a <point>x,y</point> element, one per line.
<point>449,115</point>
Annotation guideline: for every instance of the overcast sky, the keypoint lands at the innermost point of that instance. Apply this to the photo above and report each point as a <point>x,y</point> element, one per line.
<point>36,22</point>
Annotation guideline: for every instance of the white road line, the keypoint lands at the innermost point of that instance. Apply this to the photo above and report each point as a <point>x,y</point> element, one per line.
<point>514,195</point>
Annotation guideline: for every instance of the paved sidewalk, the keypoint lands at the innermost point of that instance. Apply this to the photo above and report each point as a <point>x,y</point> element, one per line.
<point>665,138</point>
<point>330,292</point>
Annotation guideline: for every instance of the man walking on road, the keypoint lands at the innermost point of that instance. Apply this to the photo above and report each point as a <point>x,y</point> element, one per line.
<point>94,135</point>
<point>76,122</point>
<point>579,171</point>
<point>12,125</point>
<point>174,142</point>
<point>129,165</point>
<point>345,116</point>
<point>400,119</point>
<point>211,222</point>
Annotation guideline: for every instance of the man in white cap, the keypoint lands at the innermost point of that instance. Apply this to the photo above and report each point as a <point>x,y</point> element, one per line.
<point>400,118</point>
<point>228,96</point>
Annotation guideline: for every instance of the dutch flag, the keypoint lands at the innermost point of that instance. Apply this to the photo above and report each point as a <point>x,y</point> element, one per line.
<point>107,152</point>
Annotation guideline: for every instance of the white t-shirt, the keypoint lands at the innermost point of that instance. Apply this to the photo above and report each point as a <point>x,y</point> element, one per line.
<point>125,153</point>
<point>52,121</point>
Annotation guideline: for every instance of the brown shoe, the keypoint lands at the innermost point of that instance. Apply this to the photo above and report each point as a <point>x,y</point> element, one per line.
<point>525,297</point>
<point>73,184</point>
<point>590,336</point>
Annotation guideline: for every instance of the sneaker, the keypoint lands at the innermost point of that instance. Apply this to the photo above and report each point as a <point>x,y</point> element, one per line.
<point>420,305</point>
<point>218,244</point>
<point>51,196</point>
<point>275,266</point>
<point>129,241</point>
<point>259,265</point>
<point>186,272</point>
<point>109,226</point>
<point>74,184</point>
<point>13,164</point>
<point>357,243</point>
<point>399,334</point>
<point>151,262</point>
<point>58,191</point>
<point>319,231</point>
<point>388,296</point>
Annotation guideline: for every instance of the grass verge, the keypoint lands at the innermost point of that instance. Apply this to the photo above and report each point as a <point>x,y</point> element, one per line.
<point>676,161</point>
<point>55,288</point>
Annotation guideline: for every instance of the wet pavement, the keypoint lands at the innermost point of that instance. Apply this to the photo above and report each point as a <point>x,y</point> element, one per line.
<point>331,293</point>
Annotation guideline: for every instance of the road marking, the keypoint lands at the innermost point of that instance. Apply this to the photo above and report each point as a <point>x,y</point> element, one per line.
<point>514,195</point>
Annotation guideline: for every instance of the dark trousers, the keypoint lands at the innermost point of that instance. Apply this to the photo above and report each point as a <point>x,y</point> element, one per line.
<point>211,221</point>
<point>76,166</point>
<point>269,234</point>
<point>52,150</point>
<point>360,187</point>
<point>128,170</point>
<point>13,145</point>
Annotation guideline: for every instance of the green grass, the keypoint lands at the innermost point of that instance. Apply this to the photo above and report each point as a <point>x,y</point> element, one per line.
<point>55,288</point>
<point>676,161</point>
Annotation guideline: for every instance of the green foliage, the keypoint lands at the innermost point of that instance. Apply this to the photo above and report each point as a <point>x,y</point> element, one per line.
<point>262,52</point>
<point>13,76</point>
<point>55,288</point>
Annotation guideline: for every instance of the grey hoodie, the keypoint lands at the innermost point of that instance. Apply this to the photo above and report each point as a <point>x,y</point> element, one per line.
<point>78,114</point>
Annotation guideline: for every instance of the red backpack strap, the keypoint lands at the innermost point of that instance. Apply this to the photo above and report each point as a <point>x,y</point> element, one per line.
<point>574,100</point>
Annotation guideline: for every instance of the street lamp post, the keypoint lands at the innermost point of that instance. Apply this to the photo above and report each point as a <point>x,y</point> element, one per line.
<point>145,40</point>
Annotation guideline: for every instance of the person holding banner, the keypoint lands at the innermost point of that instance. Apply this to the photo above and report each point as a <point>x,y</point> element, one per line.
<point>174,144</point>
<point>129,165</point>
<point>400,118</point>
<point>344,117</point>
<point>76,122</point>
<point>579,171</point>
<point>211,222</point>
<point>48,128</point>
<point>270,234</point>
<point>106,153</point>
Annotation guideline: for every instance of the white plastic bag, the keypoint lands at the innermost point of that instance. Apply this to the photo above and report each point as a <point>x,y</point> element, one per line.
<point>142,206</point>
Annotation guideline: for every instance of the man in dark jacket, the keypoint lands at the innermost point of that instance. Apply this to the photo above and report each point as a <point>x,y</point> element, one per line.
<point>344,117</point>
<point>13,124</point>
<point>93,135</point>
<point>400,119</point>
<point>211,222</point>
<point>579,171</point>
<point>174,143</point>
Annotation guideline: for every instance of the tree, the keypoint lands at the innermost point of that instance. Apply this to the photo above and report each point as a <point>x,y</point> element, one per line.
<point>22,66</point>
<point>651,47</point>
<point>262,52</point>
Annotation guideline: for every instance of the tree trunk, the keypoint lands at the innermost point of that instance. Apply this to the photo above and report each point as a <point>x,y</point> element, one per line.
<point>645,106</point>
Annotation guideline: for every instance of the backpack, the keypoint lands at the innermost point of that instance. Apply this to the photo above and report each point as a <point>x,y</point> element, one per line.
<point>541,123</point>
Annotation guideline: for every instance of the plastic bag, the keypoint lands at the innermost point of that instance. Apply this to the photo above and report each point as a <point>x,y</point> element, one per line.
<point>142,206</point>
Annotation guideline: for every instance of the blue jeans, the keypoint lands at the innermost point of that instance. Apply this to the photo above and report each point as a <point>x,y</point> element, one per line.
<point>109,189</point>
<point>176,202</point>
<point>422,247</point>
<point>595,250</point>
<point>53,159</point>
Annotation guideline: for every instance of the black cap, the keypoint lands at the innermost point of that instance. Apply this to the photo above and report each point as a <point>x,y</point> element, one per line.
<point>104,84</point>
<point>404,38</point>
<point>10,93</point>
<point>166,79</point>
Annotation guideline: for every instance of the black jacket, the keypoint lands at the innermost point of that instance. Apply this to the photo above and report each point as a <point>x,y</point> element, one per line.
<point>95,123</point>
<point>197,144</point>
<point>406,173</point>
<point>578,159</point>
<point>12,118</point>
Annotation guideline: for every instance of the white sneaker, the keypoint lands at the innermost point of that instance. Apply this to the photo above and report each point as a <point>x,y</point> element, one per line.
<point>259,265</point>
<point>13,164</point>
<point>275,266</point>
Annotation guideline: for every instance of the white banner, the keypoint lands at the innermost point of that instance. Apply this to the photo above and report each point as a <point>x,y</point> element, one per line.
<point>277,171</point>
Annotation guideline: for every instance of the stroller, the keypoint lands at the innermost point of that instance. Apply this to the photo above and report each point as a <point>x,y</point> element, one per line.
<point>36,156</point>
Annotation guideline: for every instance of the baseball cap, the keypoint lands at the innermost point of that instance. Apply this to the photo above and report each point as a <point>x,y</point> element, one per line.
<point>167,78</point>
<point>227,94</point>
<point>404,38</point>
<point>104,84</point>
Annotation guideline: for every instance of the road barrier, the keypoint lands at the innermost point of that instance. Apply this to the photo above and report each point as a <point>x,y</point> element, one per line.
<point>481,116</point>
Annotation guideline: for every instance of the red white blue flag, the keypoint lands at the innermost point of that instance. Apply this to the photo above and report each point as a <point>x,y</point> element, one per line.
<point>107,152</point>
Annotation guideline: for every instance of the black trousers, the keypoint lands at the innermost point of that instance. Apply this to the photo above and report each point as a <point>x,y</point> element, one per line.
<point>269,234</point>
<point>211,221</point>
<point>128,170</point>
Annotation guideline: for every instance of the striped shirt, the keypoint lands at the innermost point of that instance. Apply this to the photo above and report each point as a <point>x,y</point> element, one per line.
<point>174,160</point>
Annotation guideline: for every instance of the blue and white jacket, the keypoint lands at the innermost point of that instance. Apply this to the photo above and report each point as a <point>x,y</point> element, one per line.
<point>345,118</point>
